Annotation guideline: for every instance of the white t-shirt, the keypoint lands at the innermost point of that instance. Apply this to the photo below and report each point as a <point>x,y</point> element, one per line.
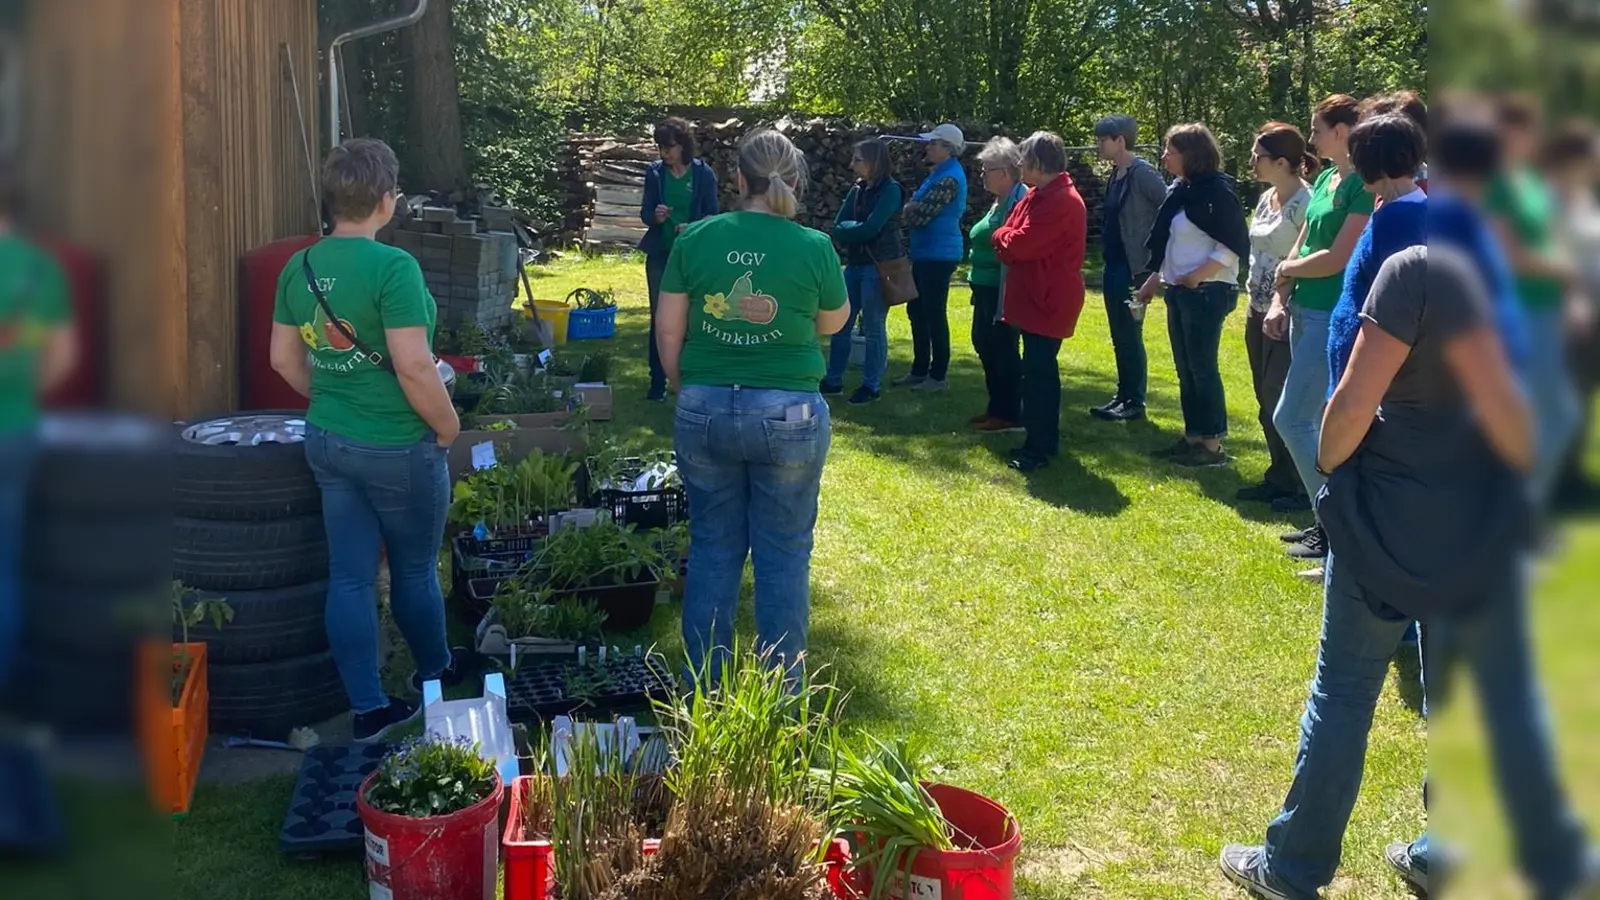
<point>1188,249</point>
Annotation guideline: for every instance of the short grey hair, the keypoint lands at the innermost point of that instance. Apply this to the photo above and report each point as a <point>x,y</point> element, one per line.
<point>1046,151</point>
<point>1002,152</point>
<point>1118,126</point>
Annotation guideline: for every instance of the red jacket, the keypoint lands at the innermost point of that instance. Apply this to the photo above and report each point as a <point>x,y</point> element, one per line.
<point>1042,246</point>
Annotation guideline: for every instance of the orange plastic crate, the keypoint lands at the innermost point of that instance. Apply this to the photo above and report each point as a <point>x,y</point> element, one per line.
<point>174,737</point>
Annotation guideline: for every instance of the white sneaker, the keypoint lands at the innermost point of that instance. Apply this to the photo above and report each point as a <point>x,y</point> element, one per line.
<point>1315,575</point>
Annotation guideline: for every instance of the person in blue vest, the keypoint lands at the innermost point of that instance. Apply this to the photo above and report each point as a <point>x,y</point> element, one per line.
<point>937,247</point>
<point>678,190</point>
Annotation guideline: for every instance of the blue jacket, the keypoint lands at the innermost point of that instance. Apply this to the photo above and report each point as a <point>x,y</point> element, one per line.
<point>941,240</point>
<point>703,206</point>
<point>1393,228</point>
<point>1454,223</point>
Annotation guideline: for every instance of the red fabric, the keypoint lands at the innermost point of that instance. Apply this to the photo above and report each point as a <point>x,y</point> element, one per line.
<point>1042,245</point>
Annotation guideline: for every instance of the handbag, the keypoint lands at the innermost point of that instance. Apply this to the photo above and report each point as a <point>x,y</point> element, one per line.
<point>894,280</point>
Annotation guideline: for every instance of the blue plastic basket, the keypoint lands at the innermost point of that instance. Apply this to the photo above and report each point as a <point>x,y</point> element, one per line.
<point>592,324</point>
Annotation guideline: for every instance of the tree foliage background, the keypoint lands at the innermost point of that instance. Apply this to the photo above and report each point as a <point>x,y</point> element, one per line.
<point>530,69</point>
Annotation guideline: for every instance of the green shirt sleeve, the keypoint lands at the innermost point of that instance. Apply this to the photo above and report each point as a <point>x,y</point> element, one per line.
<point>403,300</point>
<point>673,280</point>
<point>281,313</point>
<point>832,293</point>
<point>54,300</point>
<point>1354,198</point>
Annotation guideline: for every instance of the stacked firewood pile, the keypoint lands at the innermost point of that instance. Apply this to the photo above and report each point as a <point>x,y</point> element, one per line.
<point>611,172</point>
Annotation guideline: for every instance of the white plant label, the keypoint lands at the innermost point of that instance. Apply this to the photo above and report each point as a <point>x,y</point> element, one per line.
<point>378,850</point>
<point>544,357</point>
<point>483,456</point>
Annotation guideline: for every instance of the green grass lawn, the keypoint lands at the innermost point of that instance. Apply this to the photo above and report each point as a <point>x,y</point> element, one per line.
<point>1112,647</point>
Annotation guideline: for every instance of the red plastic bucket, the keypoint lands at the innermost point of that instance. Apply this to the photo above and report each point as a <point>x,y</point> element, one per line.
<point>452,857</point>
<point>982,871</point>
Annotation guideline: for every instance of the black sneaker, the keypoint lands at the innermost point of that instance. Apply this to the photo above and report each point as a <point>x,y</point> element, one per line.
<point>1199,457</point>
<point>461,660</point>
<point>1259,493</point>
<point>372,727</point>
<point>1181,448</point>
<point>1286,503</point>
<point>1104,411</point>
<point>657,395</point>
<point>1126,411</point>
<point>1027,461</point>
<point>1294,537</point>
<point>1247,868</point>
<point>864,394</point>
<point>828,388</point>
<point>1313,546</point>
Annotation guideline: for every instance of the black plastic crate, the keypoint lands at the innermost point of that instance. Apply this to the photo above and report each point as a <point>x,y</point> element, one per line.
<point>538,689</point>
<point>322,817</point>
<point>645,510</point>
<point>472,559</point>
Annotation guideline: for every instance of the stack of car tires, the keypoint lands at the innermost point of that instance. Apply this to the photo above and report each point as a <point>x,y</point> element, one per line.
<point>95,573</point>
<point>247,528</point>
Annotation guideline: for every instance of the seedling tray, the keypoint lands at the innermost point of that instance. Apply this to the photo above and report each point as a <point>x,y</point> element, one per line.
<point>322,816</point>
<point>538,687</point>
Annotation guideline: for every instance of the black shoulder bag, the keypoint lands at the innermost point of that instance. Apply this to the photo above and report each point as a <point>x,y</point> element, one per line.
<point>378,359</point>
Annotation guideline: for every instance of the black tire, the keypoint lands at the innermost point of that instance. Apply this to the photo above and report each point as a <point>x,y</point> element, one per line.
<point>242,482</point>
<point>249,556</point>
<point>276,624</point>
<point>78,697</point>
<point>99,464</point>
<point>268,700</point>
<point>88,551</point>
<point>87,622</point>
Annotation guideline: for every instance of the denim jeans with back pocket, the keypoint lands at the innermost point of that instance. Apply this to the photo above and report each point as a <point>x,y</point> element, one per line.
<point>751,460</point>
<point>374,499</point>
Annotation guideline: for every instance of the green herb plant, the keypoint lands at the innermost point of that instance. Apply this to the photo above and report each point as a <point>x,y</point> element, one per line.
<point>591,299</point>
<point>511,496</point>
<point>532,612</point>
<point>189,610</point>
<point>877,795</point>
<point>432,776</point>
<point>599,555</point>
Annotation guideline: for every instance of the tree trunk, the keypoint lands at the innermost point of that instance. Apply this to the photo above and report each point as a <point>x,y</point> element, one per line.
<point>437,158</point>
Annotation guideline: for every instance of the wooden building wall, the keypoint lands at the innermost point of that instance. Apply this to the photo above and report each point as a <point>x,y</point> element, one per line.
<point>164,134</point>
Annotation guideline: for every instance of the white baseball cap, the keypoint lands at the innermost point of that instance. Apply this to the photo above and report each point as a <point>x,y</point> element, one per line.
<point>948,133</point>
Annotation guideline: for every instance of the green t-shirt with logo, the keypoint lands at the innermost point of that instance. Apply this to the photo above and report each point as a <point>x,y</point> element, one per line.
<point>1325,217</point>
<point>370,287</point>
<point>677,194</point>
<point>755,283</point>
<point>33,303</point>
<point>1522,199</point>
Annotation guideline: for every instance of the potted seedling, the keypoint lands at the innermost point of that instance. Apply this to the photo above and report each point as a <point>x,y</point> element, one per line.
<point>528,619</point>
<point>615,565</point>
<point>431,811</point>
<point>180,730</point>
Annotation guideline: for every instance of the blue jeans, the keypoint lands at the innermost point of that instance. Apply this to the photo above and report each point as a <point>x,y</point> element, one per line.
<point>752,478</point>
<point>1303,842</point>
<point>866,301</point>
<point>18,454</point>
<point>655,265</point>
<point>1298,417</point>
<point>1556,408</point>
<point>382,498</point>
<point>1194,324</point>
<point>1127,333</point>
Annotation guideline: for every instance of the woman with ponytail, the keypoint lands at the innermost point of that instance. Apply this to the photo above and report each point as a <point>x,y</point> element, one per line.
<point>1281,161</point>
<point>744,299</point>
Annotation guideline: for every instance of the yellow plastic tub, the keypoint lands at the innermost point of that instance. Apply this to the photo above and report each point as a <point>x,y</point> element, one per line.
<point>556,313</point>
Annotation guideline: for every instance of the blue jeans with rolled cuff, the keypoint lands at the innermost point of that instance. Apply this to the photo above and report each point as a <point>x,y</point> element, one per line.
<point>751,460</point>
<point>1194,324</point>
<point>379,499</point>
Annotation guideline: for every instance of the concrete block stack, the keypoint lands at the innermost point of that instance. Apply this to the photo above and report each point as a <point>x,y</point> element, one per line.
<point>471,273</point>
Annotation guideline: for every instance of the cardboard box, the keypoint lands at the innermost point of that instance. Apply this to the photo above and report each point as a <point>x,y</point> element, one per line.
<point>509,446</point>
<point>597,398</point>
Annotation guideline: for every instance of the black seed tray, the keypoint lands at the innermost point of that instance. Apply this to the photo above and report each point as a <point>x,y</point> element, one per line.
<point>322,815</point>
<point>538,689</point>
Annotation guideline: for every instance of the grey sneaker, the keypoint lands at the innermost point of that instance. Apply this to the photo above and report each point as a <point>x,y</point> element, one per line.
<point>1247,867</point>
<point>1412,870</point>
<point>909,380</point>
<point>932,384</point>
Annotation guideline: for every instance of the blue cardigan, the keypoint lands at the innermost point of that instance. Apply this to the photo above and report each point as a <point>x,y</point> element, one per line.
<point>1454,223</point>
<point>1394,227</point>
<point>702,206</point>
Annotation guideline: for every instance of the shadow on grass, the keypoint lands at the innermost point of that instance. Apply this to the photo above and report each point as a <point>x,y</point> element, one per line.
<point>1067,483</point>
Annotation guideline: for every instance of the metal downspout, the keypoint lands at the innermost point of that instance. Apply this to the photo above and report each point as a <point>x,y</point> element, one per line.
<point>335,124</point>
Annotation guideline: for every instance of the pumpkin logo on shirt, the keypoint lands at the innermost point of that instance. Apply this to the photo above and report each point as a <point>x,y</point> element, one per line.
<point>322,334</point>
<point>742,303</point>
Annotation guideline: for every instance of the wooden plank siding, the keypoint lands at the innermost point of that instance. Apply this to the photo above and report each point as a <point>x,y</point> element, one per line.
<point>163,135</point>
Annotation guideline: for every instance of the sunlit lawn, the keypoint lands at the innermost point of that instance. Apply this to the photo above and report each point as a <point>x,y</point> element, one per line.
<point>1113,648</point>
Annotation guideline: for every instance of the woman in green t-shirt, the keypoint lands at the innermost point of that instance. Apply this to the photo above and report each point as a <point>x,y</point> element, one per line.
<point>998,345</point>
<point>353,331</point>
<point>1308,287</point>
<point>743,301</point>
